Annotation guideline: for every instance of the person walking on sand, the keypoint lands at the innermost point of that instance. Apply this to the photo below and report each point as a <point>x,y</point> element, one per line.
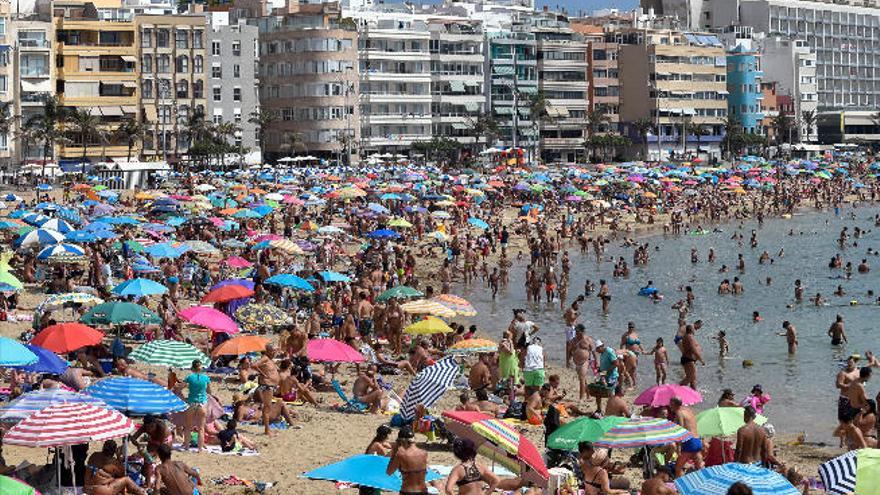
<point>751,439</point>
<point>199,386</point>
<point>412,462</point>
<point>268,379</point>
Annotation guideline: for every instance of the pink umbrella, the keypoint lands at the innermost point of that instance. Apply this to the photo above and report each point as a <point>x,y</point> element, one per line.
<point>330,350</point>
<point>216,221</point>
<point>268,237</point>
<point>208,317</point>
<point>68,424</point>
<point>238,262</point>
<point>293,200</point>
<point>660,395</point>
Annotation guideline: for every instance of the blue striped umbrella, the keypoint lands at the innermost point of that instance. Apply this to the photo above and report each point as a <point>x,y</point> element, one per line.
<point>31,402</point>
<point>139,287</point>
<point>428,386</point>
<point>39,237</point>
<point>717,479</point>
<point>57,225</point>
<point>135,396</point>
<point>60,250</point>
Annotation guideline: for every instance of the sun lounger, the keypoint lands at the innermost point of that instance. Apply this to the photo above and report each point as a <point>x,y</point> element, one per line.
<point>349,405</point>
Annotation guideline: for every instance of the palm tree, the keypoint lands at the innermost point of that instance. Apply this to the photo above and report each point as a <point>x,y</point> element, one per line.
<point>732,130</point>
<point>539,111</point>
<point>698,131</point>
<point>46,128</point>
<point>782,126</point>
<point>7,122</point>
<point>262,119</point>
<point>83,123</point>
<point>483,125</point>
<point>198,130</point>
<point>130,131</point>
<point>808,118</point>
<point>642,128</point>
<point>221,134</point>
<point>293,142</point>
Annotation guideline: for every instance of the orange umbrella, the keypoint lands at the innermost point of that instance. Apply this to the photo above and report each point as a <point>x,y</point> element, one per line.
<point>241,345</point>
<point>67,337</point>
<point>229,211</point>
<point>227,293</point>
<point>80,187</point>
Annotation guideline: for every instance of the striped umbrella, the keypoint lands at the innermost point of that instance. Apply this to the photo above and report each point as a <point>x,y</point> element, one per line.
<point>31,402</point>
<point>57,225</point>
<point>426,307</point>
<point>68,424</point>
<point>135,396</point>
<point>458,304</point>
<point>507,437</point>
<point>169,353</point>
<point>839,474</point>
<point>428,386</point>
<point>287,246</point>
<point>59,300</point>
<point>472,346</point>
<point>717,479</point>
<point>39,237</point>
<point>643,432</point>
<point>60,250</point>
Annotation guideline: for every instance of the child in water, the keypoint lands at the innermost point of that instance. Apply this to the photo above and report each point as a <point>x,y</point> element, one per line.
<point>756,317</point>
<point>723,346</point>
<point>661,361</point>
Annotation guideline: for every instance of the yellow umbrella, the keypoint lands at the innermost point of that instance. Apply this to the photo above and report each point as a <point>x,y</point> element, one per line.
<point>427,307</point>
<point>350,192</point>
<point>428,326</point>
<point>399,222</point>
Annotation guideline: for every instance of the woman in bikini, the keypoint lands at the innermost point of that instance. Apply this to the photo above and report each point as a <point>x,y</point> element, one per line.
<point>105,474</point>
<point>469,475</point>
<point>411,461</point>
<point>595,477</point>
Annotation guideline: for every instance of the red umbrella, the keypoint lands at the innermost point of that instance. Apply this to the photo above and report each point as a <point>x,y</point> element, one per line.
<point>333,351</point>
<point>68,424</point>
<point>227,293</point>
<point>67,337</point>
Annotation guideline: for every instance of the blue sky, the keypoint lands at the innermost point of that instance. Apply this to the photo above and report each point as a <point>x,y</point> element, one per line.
<point>574,6</point>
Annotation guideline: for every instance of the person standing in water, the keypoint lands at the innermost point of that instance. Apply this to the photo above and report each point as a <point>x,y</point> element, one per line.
<point>837,332</point>
<point>790,335</point>
<point>690,354</point>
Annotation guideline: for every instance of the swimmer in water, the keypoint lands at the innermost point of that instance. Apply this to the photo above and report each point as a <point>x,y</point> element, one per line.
<point>756,317</point>
<point>723,345</point>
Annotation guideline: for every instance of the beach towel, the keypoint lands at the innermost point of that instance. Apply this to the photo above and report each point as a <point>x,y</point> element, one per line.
<point>868,472</point>
<point>215,449</point>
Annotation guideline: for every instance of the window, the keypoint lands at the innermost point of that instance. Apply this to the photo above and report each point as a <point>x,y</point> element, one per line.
<point>182,114</point>
<point>147,64</point>
<point>182,64</point>
<point>198,62</point>
<point>163,64</point>
<point>236,94</point>
<point>197,35</point>
<point>236,48</point>
<point>237,114</point>
<point>215,48</point>
<point>162,38</point>
<point>216,72</point>
<point>218,93</point>
<point>198,90</point>
<point>183,89</point>
<point>147,88</point>
<point>164,114</point>
<point>2,84</point>
<point>181,39</point>
<point>218,119</point>
<point>236,71</point>
<point>146,37</point>
<point>2,26</point>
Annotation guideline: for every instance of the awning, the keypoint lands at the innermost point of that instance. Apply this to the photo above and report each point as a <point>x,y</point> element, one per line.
<point>723,92</point>
<point>502,70</point>
<point>28,86</point>
<point>129,84</point>
<point>5,47</point>
<point>129,58</point>
<point>558,112</point>
<point>473,84</point>
<point>504,111</point>
<point>459,126</point>
<point>111,111</point>
<point>129,109</point>
<point>524,112</point>
<point>472,107</point>
<point>457,86</point>
<point>532,90</point>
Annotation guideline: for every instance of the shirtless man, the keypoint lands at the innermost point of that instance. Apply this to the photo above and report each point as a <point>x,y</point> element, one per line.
<point>616,405</point>
<point>658,484</point>
<point>837,332</point>
<point>268,380</point>
<point>751,439</point>
<point>693,448</point>
<point>570,316</point>
<point>790,336</point>
<point>364,315</point>
<point>480,377</point>
<point>854,392</point>
<point>367,390</point>
<point>297,342</point>
<point>105,474</point>
<point>690,354</point>
<point>174,477</point>
<point>484,404</point>
<point>582,354</point>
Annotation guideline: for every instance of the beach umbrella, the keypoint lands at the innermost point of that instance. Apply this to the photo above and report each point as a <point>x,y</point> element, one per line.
<point>723,421</point>
<point>383,234</point>
<point>472,346</point>
<point>172,353</point>
<point>227,293</point>
<point>399,223</point>
<point>334,277</point>
<point>287,246</point>
<point>476,222</point>
<point>163,250</point>
<point>330,229</point>
<point>426,307</point>
<point>68,424</point>
<point>717,480</point>
<point>399,292</point>
<point>139,287</point>
<point>660,395</point>
<point>428,386</point>
<point>208,317</point>
<point>13,353</point>
<point>56,224</point>
<point>456,303</point>
<point>60,250</point>
<point>332,351</point>
<point>60,300</point>
<point>364,470</point>
<point>135,396</point>
<point>200,247</point>
<point>120,313</point>
<point>428,326</point>
<point>839,474</point>
<point>241,345</point>
<point>290,281</point>
<point>261,316</point>
<point>67,337</point>
<point>643,432</point>
<point>47,362</point>
<point>24,405</point>
<point>12,486</point>
<point>583,429</point>
<point>38,237</point>
<point>508,438</point>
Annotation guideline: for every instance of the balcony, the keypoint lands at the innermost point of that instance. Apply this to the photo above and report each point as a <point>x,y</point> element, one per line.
<point>34,72</point>
<point>26,44</point>
<point>33,99</point>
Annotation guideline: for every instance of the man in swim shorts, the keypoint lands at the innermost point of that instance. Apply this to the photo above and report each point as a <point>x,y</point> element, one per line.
<point>691,450</point>
<point>570,316</point>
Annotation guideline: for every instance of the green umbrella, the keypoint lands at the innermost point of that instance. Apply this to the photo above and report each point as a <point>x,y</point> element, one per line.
<point>120,313</point>
<point>10,486</point>
<point>583,429</point>
<point>722,421</point>
<point>399,292</point>
<point>134,246</point>
<point>169,353</point>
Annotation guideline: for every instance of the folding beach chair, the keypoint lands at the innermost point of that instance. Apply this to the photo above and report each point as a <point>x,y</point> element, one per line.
<point>349,405</point>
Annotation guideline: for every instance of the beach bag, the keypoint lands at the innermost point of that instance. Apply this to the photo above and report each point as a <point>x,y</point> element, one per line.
<point>517,410</point>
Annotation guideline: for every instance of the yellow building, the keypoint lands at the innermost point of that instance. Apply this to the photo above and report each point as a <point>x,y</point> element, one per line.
<point>97,72</point>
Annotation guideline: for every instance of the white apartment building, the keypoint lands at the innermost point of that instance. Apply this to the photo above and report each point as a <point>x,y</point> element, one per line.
<point>32,79</point>
<point>792,65</point>
<point>395,81</point>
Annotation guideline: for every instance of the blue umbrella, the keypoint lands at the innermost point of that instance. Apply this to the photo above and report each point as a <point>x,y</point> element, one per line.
<point>57,225</point>
<point>119,220</point>
<point>39,237</point>
<point>135,396</point>
<point>365,470</point>
<point>378,208</point>
<point>717,479</point>
<point>81,236</point>
<point>139,287</point>
<point>13,353</point>
<point>163,250</point>
<point>35,219</point>
<point>291,281</point>
<point>476,222</point>
<point>62,249</point>
<point>98,225</point>
<point>383,234</point>
<point>31,402</point>
<point>44,187</point>
<point>47,362</point>
<point>334,277</point>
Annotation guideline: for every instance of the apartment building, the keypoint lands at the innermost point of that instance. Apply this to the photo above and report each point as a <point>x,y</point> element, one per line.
<point>234,93</point>
<point>395,80</point>
<point>677,80</point>
<point>744,77</point>
<point>562,66</point>
<point>792,64</point>
<point>769,109</point>
<point>602,75</point>
<point>309,79</point>
<point>31,77</point>
<point>172,54</point>
<point>457,81</point>
<point>512,81</point>
<point>96,72</point>
<point>7,89</point>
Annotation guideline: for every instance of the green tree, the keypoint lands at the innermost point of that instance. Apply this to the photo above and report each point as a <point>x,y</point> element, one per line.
<point>83,124</point>
<point>130,132</point>
<point>808,118</point>
<point>733,132</point>
<point>46,128</point>
<point>483,126</point>
<point>642,128</point>
<point>294,142</point>
<point>263,120</point>
<point>782,127</point>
